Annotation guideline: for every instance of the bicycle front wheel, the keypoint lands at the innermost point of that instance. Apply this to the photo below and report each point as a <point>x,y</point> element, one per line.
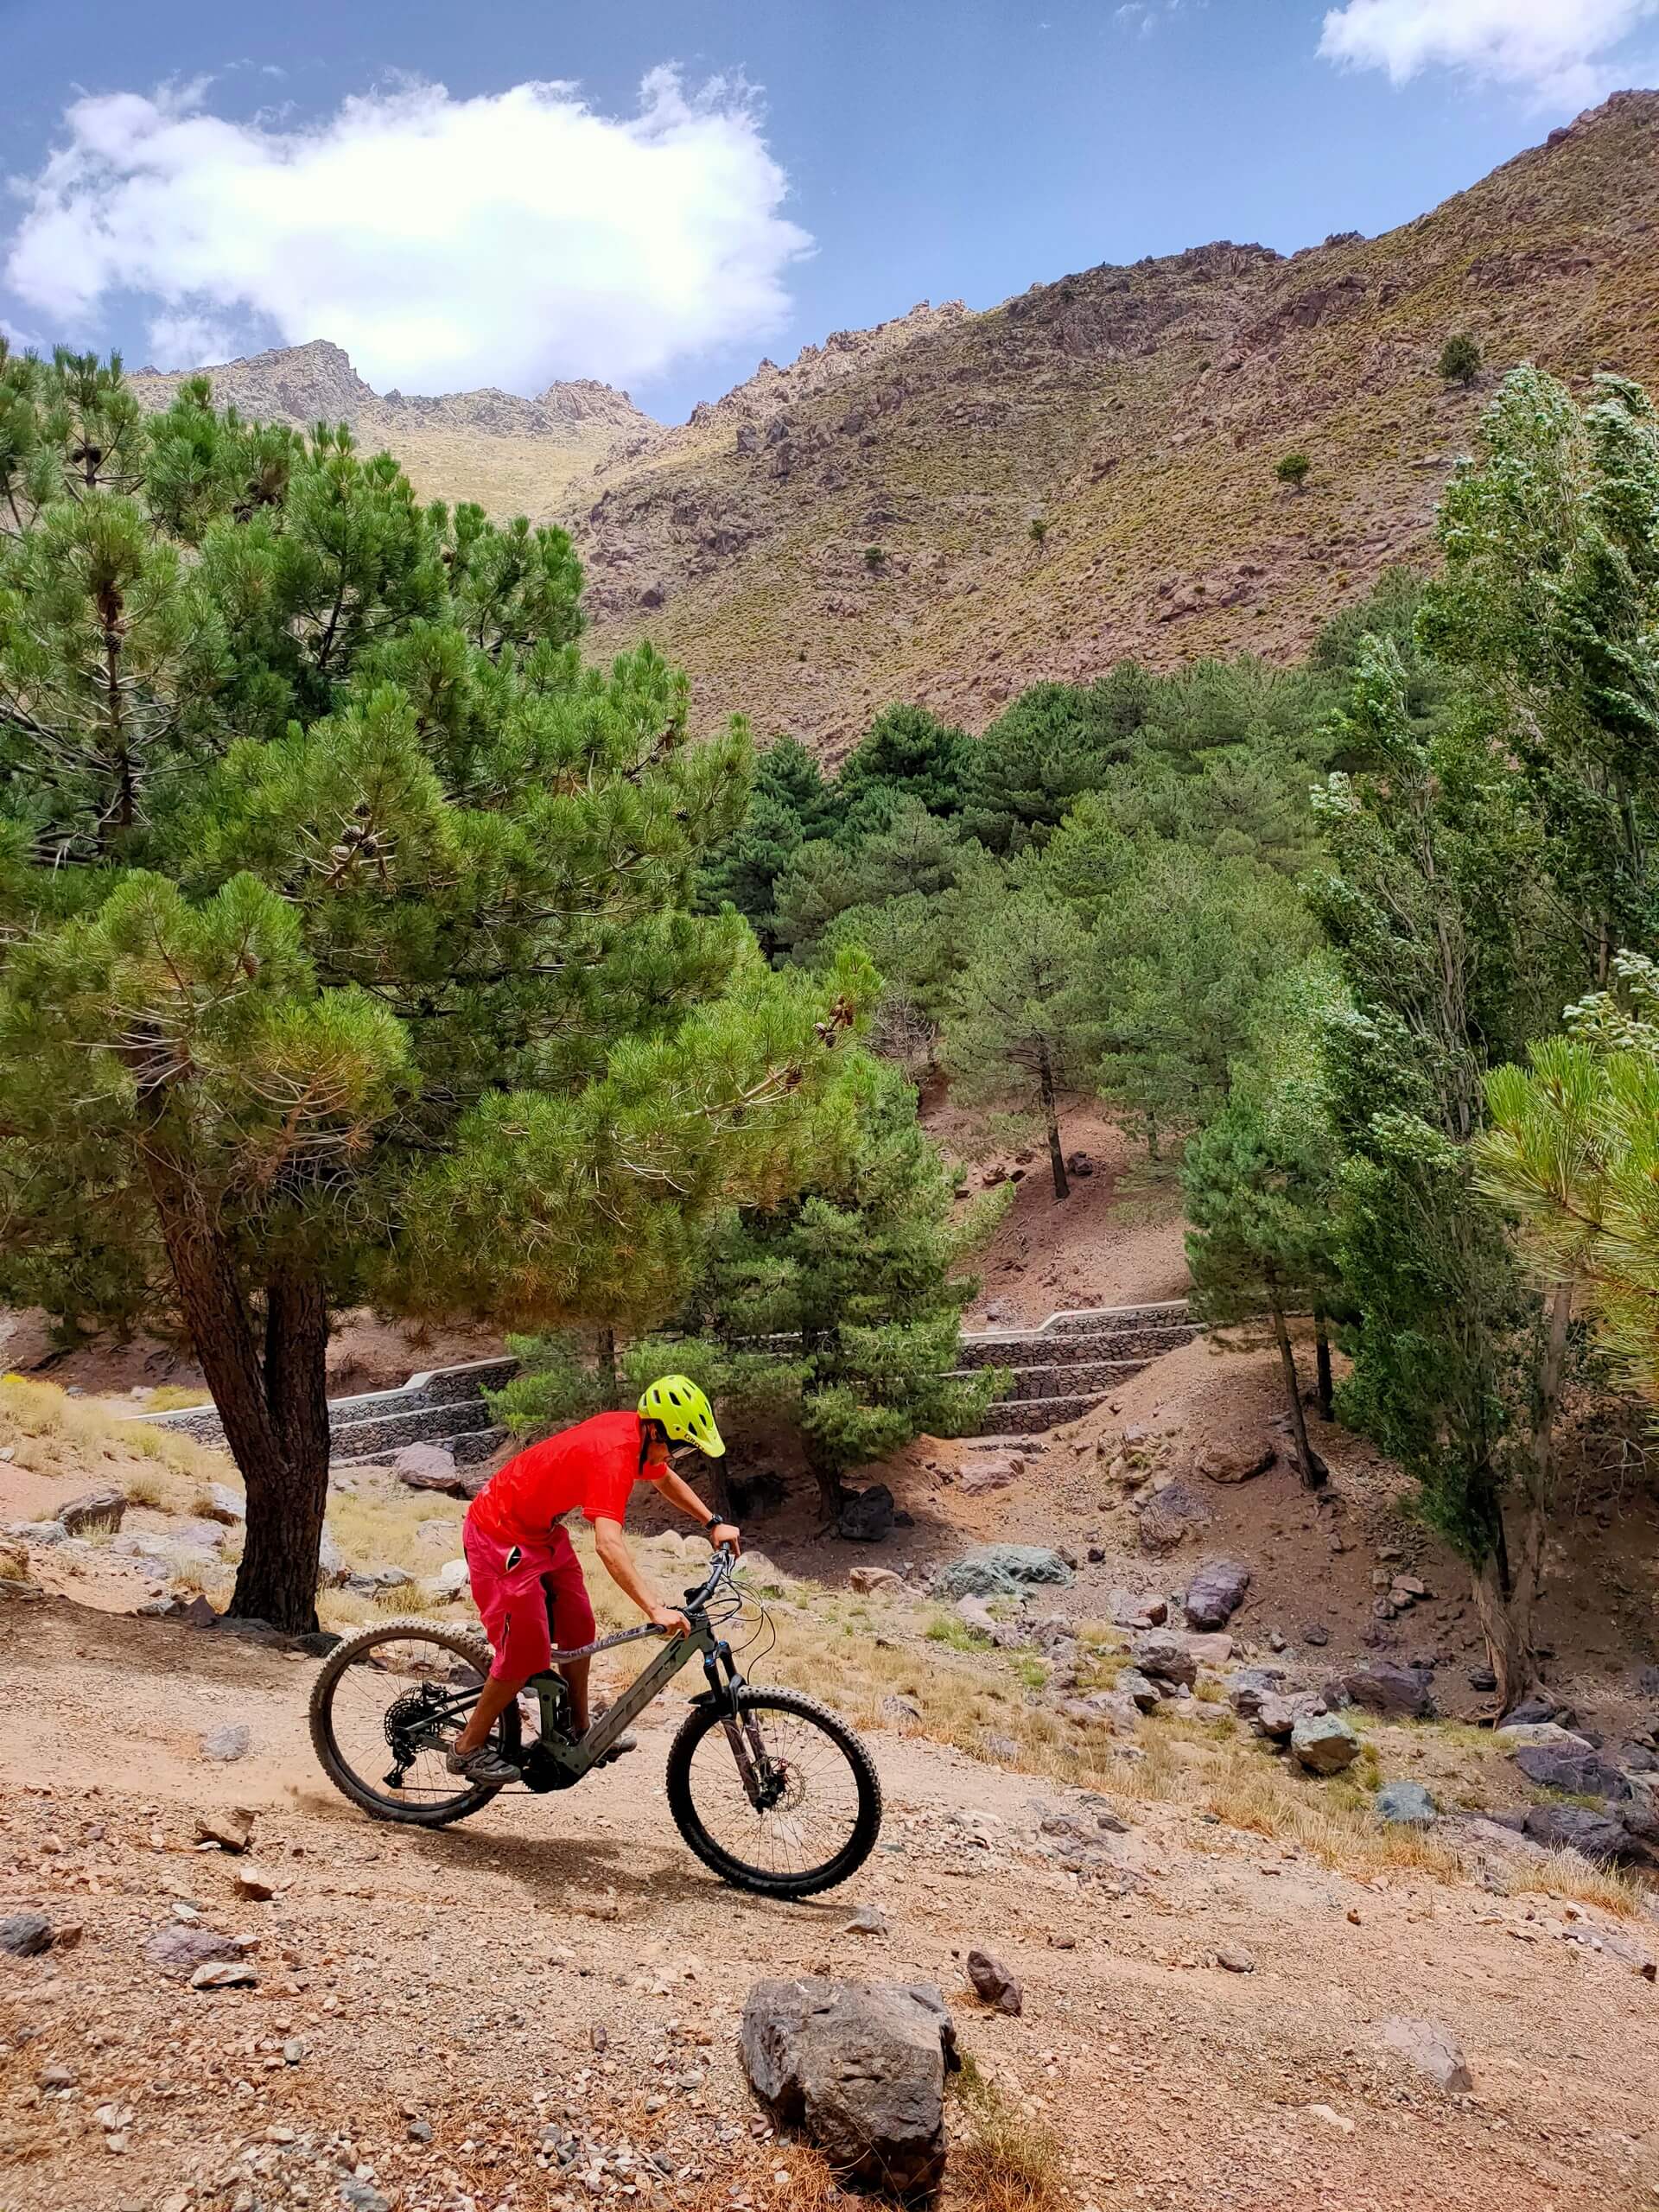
<point>820,1812</point>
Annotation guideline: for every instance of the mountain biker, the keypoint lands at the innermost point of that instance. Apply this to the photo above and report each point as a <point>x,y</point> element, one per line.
<point>527,1582</point>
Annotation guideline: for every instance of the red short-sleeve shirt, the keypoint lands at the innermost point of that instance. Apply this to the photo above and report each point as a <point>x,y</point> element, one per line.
<point>591,1468</point>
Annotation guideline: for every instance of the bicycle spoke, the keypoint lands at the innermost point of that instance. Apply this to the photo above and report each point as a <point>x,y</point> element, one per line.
<point>817,1809</point>
<point>410,1678</point>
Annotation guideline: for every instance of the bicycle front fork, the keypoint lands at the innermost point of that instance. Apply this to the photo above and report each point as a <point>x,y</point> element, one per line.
<point>763,1785</point>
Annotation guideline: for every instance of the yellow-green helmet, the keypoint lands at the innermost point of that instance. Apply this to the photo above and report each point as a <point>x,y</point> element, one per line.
<point>687,1415</point>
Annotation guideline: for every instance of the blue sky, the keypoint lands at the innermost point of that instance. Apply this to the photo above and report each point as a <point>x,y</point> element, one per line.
<point>187,181</point>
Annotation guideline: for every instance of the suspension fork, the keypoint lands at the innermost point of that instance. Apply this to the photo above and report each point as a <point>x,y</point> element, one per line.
<point>742,1731</point>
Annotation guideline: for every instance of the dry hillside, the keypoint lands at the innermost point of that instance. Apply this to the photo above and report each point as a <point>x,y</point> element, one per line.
<point>1140,413</point>
<point>510,454</point>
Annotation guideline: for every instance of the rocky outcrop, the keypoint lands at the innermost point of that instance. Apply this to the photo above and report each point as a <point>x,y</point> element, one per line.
<point>859,2067</point>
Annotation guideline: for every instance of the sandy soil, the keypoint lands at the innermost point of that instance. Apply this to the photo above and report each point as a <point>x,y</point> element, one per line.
<point>459,1980</point>
<point>1115,1241</point>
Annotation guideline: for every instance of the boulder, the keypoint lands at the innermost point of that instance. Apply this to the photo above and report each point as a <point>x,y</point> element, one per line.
<point>231,1827</point>
<point>1385,1686</point>
<point>866,1516</point>
<point>425,1466</point>
<point>1236,1463</point>
<point>38,1533</point>
<point>974,1613</point>
<point>223,1504</point>
<point>860,2069</point>
<point>1125,1610</point>
<point>181,1948</point>
<point>1140,1690</point>
<point>983,1473</point>
<point>1247,1686</point>
<point>1576,1828</point>
<point>1513,1734</point>
<point>1533,1710</point>
<point>993,1983</point>
<point>25,1935</point>
<point>868,1581</point>
<point>1169,1515</point>
<point>1165,1658</point>
<point>1213,1649</point>
<point>897,1708</point>
<point>99,1512</point>
<point>1433,2050</point>
<point>1573,1769</point>
<point>452,1579</point>
<point>1323,1743</point>
<point>1000,1571</point>
<point>1275,1717</point>
<point>332,1569</point>
<point>199,1533</point>
<point>1405,1804</point>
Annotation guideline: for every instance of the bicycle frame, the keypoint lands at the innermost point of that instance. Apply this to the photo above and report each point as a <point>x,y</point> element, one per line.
<point>571,1760</point>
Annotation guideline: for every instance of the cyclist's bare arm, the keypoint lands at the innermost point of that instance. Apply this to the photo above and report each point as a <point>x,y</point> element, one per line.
<point>618,1563</point>
<point>680,1494</point>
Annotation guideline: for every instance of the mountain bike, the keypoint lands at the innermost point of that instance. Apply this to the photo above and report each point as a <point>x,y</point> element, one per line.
<point>768,1787</point>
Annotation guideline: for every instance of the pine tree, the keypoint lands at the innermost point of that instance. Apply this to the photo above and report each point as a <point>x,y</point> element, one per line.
<point>907,753</point>
<point>790,807</point>
<point>1012,1032</point>
<point>344,944</point>
<point>841,1309</point>
<point>1042,753</point>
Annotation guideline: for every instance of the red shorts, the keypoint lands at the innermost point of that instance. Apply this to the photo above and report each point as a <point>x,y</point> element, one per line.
<point>516,1587</point>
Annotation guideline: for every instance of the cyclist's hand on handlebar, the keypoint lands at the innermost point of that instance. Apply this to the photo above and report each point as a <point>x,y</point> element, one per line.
<point>728,1533</point>
<point>671,1622</point>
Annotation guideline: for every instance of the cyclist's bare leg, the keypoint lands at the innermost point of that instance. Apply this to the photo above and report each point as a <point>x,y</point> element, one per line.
<point>494,1699</point>
<point>575,1677</point>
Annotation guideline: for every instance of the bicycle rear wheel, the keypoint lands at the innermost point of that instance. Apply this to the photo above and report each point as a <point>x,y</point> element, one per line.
<point>378,1723</point>
<point>825,1808</point>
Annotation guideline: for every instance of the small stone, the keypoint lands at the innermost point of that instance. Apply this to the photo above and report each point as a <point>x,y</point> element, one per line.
<point>99,1512</point>
<point>230,1826</point>
<point>56,2077</point>
<point>1338,2120</point>
<point>865,1920</point>
<point>249,1882</point>
<point>419,2131</point>
<point>223,1504</point>
<point>1235,1961</point>
<point>180,1947</point>
<point>1432,2050</point>
<point>1323,1743</point>
<point>1141,1688</point>
<point>25,1935</point>
<point>896,1709</point>
<point>868,1581</point>
<point>993,1983</point>
<point>233,1741</point>
<point>225,1973</point>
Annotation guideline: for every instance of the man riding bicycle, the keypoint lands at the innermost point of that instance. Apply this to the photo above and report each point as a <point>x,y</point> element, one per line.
<point>527,1582</point>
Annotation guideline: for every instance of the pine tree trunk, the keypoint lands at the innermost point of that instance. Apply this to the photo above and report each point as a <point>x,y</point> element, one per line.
<point>277,1579</point>
<point>1050,1115</point>
<point>275,1411</point>
<point>1509,1581</point>
<point>1323,1388</point>
<point>1314,1473</point>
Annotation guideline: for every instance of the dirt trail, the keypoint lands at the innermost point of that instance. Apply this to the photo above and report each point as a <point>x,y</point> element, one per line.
<point>458,1981</point>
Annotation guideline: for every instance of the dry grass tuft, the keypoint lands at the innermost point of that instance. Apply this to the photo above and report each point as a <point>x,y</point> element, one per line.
<point>75,1438</point>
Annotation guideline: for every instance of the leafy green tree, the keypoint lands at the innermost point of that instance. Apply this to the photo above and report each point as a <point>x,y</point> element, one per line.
<point>1176,970</point>
<point>841,1308</point>
<point>1053,744</point>
<point>1461,358</point>
<point>906,753</point>
<point>1258,1182</point>
<point>1038,532</point>
<point>910,851</point>
<point>790,807</point>
<point>345,949</point>
<point>1548,612</point>
<point>875,559</point>
<point>1293,468</point>
<point>1450,949</point>
<point>1012,1030</point>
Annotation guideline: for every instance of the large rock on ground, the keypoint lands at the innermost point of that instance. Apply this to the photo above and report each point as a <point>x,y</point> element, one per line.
<point>1216,1593</point>
<point>859,2067</point>
<point>1249,1687</point>
<point>1384,1686</point>
<point>427,1466</point>
<point>1124,1609</point>
<point>1405,1804</point>
<point>1236,1463</point>
<point>1169,1515</point>
<point>1580,1773</point>
<point>1165,1658</point>
<point>1323,1743</point>
<point>99,1512</point>
<point>1577,1828</point>
<point>866,1516</point>
<point>1000,1571</point>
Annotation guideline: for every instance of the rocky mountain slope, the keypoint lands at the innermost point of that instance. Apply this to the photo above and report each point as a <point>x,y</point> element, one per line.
<point>1138,413</point>
<point>511,453</point>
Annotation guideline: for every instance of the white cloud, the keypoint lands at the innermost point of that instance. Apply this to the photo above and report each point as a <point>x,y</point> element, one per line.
<point>507,240</point>
<point>1556,49</point>
<point>189,341</point>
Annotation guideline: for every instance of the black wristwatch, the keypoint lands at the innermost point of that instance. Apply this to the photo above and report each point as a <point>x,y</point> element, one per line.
<point>715,1521</point>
